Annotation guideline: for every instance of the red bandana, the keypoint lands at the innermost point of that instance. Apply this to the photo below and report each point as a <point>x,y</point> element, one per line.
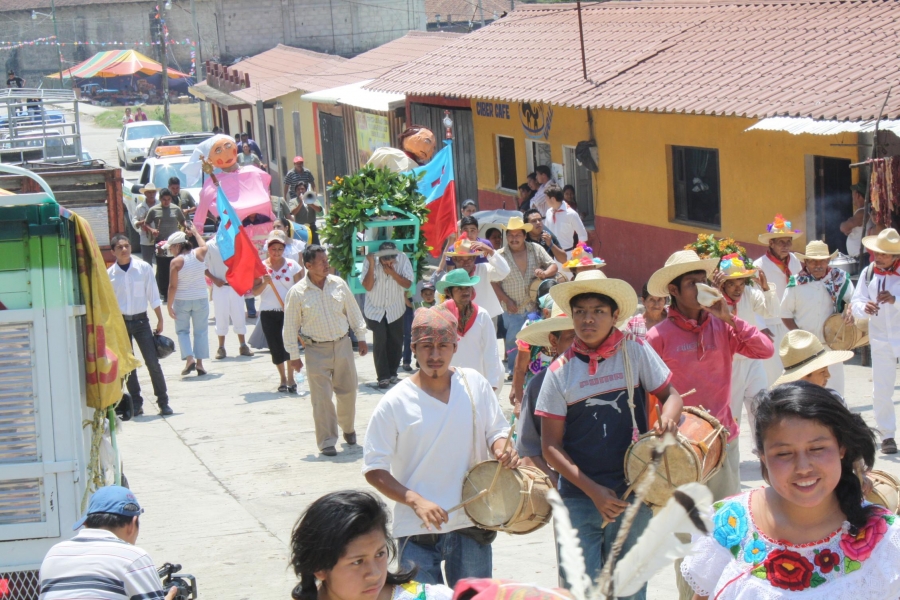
<point>781,264</point>
<point>891,271</point>
<point>454,310</point>
<point>605,350</point>
<point>682,322</point>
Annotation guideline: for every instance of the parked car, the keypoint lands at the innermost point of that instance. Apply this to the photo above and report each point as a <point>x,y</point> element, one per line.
<point>134,141</point>
<point>178,143</point>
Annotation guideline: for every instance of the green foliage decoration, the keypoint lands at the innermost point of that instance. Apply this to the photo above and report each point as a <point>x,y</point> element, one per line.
<point>357,199</point>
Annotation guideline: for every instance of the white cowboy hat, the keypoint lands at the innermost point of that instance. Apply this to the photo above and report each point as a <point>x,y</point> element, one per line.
<point>886,242</point>
<point>779,228</point>
<point>816,250</point>
<point>802,353</point>
<point>149,188</point>
<point>683,261</point>
<point>538,333</point>
<point>598,283</point>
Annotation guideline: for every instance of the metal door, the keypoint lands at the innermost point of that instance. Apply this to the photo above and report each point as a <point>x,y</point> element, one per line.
<point>464,167</point>
<point>334,157</point>
<point>833,201</point>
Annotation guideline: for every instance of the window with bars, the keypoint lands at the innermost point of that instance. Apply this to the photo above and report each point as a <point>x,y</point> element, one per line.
<point>695,180</point>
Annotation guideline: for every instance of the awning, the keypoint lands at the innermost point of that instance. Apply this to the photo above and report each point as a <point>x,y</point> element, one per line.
<point>116,63</point>
<point>798,125</point>
<point>355,95</point>
<point>208,92</point>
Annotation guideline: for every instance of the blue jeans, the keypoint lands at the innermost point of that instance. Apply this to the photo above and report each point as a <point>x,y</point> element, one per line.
<point>597,542</point>
<point>407,336</point>
<point>462,556</point>
<point>194,313</point>
<point>513,326</point>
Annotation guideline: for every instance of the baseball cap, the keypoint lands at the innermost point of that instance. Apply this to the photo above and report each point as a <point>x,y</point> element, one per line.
<point>112,499</point>
<point>428,286</point>
<point>298,159</point>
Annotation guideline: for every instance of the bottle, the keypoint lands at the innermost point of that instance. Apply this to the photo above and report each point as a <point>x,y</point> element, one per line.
<point>301,382</point>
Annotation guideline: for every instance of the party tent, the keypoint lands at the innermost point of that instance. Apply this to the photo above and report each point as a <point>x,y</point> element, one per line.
<point>117,63</point>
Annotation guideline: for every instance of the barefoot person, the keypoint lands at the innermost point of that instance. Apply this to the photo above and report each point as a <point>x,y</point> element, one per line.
<point>424,436</point>
<point>809,534</point>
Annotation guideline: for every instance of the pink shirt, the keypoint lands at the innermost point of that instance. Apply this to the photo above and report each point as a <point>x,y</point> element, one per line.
<point>703,360</point>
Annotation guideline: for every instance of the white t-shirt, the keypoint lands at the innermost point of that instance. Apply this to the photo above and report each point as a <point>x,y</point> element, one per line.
<point>283,280</point>
<point>427,445</point>
<point>775,275</point>
<point>565,223</point>
<point>495,269</point>
<point>478,349</point>
<point>810,304</point>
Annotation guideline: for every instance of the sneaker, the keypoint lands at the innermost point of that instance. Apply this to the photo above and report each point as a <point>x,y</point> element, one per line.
<point>889,446</point>
<point>407,368</point>
<point>166,410</point>
<point>246,351</point>
<point>329,451</point>
<point>220,353</point>
<point>383,385</point>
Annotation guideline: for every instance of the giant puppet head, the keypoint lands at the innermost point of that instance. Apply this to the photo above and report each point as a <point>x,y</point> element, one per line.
<point>223,153</point>
<point>419,143</point>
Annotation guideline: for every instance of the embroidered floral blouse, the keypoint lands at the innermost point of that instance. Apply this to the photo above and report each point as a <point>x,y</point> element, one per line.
<point>421,591</point>
<point>740,562</point>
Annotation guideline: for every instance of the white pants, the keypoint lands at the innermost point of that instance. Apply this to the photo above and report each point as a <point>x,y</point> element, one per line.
<point>773,365</point>
<point>228,305</point>
<point>884,375</point>
<point>836,381</point>
<point>748,378</point>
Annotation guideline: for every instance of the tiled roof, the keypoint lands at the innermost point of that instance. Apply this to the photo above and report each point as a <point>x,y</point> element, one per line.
<point>465,10</point>
<point>271,72</point>
<point>375,62</point>
<point>830,59</point>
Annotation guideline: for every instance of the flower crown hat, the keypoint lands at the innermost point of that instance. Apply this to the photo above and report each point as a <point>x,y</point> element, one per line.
<point>583,256</point>
<point>735,267</point>
<point>463,247</point>
<point>779,228</point>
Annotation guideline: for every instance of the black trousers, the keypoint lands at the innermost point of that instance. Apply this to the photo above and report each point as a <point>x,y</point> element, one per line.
<point>139,330</point>
<point>388,346</point>
<point>272,325</point>
<point>162,275</point>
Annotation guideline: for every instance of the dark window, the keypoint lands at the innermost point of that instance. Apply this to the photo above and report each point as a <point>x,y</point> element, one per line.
<point>695,175</point>
<point>506,150</point>
<point>272,152</point>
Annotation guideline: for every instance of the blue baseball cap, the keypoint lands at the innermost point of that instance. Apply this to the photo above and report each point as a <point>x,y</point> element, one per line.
<point>112,499</point>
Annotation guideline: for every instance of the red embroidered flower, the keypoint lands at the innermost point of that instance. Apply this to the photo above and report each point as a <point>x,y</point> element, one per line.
<point>788,570</point>
<point>826,560</point>
<point>284,270</point>
<point>859,547</point>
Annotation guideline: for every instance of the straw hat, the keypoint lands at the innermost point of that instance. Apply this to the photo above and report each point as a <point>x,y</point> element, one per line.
<point>538,333</point>
<point>457,278</point>
<point>518,223</point>
<point>387,249</point>
<point>149,188</point>
<point>816,250</point>
<point>802,353</point>
<point>276,237</point>
<point>598,283</point>
<point>734,267</point>
<point>779,228</point>
<point>886,242</point>
<point>463,247</point>
<point>683,261</point>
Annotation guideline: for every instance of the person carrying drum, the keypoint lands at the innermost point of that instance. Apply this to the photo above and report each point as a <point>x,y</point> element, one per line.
<point>816,293</point>
<point>875,299</point>
<point>592,406</point>
<point>779,265</point>
<point>698,344</point>
<point>749,294</point>
<point>424,436</point>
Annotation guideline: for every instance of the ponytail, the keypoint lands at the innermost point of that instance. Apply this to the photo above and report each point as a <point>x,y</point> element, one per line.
<point>306,589</point>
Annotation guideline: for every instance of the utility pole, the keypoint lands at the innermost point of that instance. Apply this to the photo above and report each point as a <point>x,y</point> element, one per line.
<point>163,41</point>
<point>58,47</point>
<point>201,75</point>
<point>481,11</point>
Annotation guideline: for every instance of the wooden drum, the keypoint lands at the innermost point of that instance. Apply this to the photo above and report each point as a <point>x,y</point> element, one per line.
<point>697,455</point>
<point>885,490</point>
<point>840,336</point>
<point>518,502</point>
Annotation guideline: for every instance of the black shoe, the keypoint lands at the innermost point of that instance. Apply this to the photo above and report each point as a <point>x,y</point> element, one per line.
<point>189,369</point>
<point>138,411</point>
<point>395,379</point>
<point>329,451</point>
<point>407,368</point>
<point>889,446</point>
<point>350,438</point>
<point>166,410</point>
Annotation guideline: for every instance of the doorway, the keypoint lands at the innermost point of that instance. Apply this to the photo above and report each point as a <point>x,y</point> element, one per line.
<point>832,201</point>
<point>334,156</point>
<point>463,144</point>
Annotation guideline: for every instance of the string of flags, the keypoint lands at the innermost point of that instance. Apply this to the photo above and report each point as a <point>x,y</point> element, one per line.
<point>51,41</point>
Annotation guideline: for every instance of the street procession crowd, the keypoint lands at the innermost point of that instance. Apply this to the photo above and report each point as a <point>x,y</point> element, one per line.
<point>595,370</point>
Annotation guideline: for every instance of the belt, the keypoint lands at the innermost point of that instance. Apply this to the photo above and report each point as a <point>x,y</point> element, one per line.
<point>312,341</point>
<point>135,317</point>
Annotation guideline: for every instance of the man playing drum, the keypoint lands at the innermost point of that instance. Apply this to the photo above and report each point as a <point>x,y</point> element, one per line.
<point>875,299</point>
<point>424,436</point>
<point>779,265</point>
<point>816,293</point>
<point>592,406</point>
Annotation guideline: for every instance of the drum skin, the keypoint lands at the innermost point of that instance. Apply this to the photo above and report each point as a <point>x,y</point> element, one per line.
<point>840,336</point>
<point>517,504</point>
<point>885,490</point>
<point>697,455</point>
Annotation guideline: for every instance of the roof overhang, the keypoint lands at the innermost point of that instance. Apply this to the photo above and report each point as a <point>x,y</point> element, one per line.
<point>211,94</point>
<point>798,125</point>
<point>354,95</point>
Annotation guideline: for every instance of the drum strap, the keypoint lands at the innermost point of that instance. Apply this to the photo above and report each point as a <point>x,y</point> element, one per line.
<point>629,381</point>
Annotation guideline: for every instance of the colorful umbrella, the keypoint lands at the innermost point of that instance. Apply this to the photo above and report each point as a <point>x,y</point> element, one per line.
<point>116,63</point>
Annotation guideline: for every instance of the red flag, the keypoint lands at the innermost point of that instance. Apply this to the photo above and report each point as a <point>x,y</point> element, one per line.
<point>441,221</point>
<point>244,266</point>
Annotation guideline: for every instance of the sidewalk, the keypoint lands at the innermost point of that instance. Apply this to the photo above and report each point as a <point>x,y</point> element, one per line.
<point>224,479</point>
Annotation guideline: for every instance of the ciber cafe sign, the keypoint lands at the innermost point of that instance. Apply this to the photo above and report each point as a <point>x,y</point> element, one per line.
<point>536,118</point>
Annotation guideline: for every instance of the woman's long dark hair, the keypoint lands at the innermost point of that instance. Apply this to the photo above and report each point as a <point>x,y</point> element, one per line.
<point>805,400</point>
<point>323,532</point>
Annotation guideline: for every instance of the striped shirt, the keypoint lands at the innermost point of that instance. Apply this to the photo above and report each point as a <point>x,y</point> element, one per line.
<point>294,177</point>
<point>320,315</point>
<point>96,564</point>
<point>191,278</point>
<point>516,285</point>
<point>387,298</point>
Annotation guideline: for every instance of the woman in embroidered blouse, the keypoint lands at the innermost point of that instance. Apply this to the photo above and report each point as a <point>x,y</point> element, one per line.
<point>809,534</point>
<point>341,549</point>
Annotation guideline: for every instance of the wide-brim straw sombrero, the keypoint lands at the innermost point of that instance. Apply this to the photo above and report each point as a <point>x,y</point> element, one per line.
<point>683,261</point>
<point>816,250</point>
<point>886,242</point>
<point>802,353</point>
<point>538,333</point>
<point>598,283</point>
<point>733,267</point>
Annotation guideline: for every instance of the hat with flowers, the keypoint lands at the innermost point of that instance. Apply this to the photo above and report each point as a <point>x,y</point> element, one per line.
<point>779,228</point>
<point>583,256</point>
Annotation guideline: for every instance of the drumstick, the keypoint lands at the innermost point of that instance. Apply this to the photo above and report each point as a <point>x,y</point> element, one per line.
<point>512,420</point>
<point>666,456</point>
<point>689,392</point>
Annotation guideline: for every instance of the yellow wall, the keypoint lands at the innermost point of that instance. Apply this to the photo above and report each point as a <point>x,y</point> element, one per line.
<point>290,103</point>
<point>761,173</point>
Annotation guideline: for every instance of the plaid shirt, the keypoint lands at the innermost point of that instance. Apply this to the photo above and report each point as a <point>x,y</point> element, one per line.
<point>321,315</point>
<point>516,284</point>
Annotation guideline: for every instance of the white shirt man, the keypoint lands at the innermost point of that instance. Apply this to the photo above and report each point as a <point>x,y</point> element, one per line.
<point>495,269</point>
<point>563,221</point>
<point>226,302</point>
